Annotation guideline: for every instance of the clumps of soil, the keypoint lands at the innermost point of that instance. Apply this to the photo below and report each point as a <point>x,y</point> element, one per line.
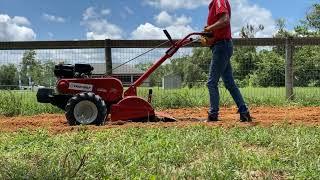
<point>263,116</point>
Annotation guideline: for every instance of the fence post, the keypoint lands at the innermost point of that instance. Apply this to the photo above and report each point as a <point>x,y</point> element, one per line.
<point>108,57</point>
<point>289,68</point>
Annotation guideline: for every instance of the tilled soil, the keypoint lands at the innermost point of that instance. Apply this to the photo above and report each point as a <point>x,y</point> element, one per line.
<point>263,116</point>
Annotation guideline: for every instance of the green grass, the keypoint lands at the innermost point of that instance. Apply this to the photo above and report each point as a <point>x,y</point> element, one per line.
<point>197,97</point>
<point>163,153</point>
<point>15,103</point>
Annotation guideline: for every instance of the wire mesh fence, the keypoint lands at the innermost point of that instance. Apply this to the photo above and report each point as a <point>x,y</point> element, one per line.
<point>306,74</point>
<point>260,70</point>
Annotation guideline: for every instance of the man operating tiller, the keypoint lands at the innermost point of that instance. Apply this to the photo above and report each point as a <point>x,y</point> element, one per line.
<point>222,48</point>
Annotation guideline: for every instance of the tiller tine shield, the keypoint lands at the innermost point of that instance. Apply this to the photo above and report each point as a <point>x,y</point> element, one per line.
<point>136,109</point>
<point>132,108</point>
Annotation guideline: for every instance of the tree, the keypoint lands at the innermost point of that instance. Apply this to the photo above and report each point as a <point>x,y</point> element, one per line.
<point>310,25</point>
<point>313,17</point>
<point>28,65</point>
<point>194,69</point>
<point>307,59</point>
<point>270,71</point>
<point>156,77</point>
<point>191,69</point>
<point>244,63</point>
<point>281,28</point>
<point>250,31</point>
<point>8,77</point>
<point>47,77</point>
<point>244,60</point>
<point>39,74</point>
<point>307,63</point>
<point>281,33</point>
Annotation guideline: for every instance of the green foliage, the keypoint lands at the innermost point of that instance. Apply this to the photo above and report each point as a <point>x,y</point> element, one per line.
<point>244,62</point>
<point>39,72</point>
<point>313,17</point>
<point>278,152</point>
<point>8,77</point>
<point>48,68</point>
<point>249,31</point>
<point>155,78</point>
<point>303,30</point>
<point>281,33</point>
<point>29,66</point>
<point>270,70</point>
<point>10,103</point>
<point>307,64</point>
<point>191,69</point>
<point>15,103</point>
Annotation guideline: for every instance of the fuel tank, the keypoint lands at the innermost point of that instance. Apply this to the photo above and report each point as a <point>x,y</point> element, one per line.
<point>108,88</point>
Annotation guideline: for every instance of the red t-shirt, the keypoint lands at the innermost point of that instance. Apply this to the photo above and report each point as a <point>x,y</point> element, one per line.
<point>216,9</point>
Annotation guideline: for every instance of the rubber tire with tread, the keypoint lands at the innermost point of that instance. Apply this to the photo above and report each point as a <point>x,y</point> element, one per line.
<point>88,96</point>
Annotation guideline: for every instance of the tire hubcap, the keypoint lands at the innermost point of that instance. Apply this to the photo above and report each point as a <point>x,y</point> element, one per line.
<point>85,112</point>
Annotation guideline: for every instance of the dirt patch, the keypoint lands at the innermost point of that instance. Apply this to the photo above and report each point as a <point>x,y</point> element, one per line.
<point>263,116</point>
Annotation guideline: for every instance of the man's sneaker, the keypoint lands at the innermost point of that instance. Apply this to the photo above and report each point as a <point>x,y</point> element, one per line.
<point>212,118</point>
<point>245,117</point>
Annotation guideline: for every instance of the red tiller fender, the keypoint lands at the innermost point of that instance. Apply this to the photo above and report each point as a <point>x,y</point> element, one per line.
<point>132,108</point>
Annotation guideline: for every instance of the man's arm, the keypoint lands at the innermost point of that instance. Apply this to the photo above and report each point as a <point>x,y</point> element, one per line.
<point>223,21</point>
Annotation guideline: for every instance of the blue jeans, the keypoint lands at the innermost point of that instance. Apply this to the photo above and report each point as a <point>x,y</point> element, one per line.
<point>221,67</point>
